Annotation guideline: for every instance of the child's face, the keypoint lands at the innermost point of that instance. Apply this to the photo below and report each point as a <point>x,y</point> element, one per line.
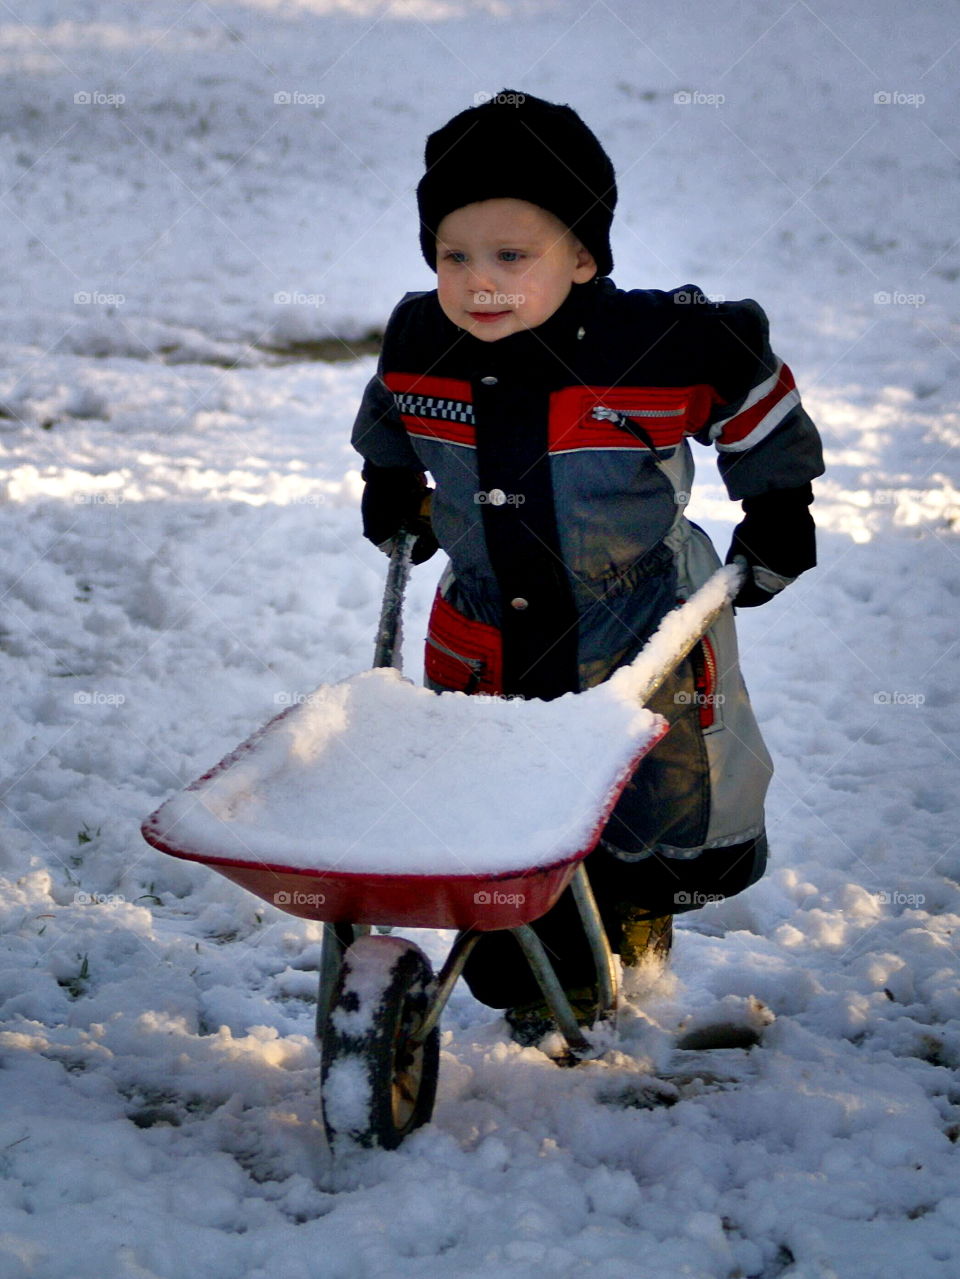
<point>504,265</point>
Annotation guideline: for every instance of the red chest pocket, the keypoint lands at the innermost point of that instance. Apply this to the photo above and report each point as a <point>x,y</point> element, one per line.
<point>667,413</point>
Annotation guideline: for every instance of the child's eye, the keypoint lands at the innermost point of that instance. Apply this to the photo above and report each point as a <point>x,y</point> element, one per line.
<point>454,255</point>
<point>510,255</point>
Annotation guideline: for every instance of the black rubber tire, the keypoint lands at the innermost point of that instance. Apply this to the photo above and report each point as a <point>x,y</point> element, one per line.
<point>374,1088</point>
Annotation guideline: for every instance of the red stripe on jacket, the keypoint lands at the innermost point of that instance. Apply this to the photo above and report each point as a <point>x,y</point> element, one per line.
<point>444,388</point>
<point>441,388</point>
<point>741,424</point>
<point>667,413</point>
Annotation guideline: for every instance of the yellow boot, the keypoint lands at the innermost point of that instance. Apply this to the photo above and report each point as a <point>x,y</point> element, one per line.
<point>646,939</point>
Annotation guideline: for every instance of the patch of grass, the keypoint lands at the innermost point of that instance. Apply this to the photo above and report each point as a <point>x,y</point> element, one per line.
<point>332,349</point>
<point>150,895</point>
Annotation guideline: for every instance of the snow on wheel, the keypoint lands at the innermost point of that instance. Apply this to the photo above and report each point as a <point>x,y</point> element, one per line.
<point>376,1084</point>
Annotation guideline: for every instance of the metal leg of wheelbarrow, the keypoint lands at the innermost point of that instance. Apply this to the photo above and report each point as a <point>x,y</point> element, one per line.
<point>553,992</point>
<point>543,969</point>
<point>336,939</point>
<point>608,980</point>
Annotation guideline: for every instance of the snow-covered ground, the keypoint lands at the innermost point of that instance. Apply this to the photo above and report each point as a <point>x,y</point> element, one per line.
<point>182,558</point>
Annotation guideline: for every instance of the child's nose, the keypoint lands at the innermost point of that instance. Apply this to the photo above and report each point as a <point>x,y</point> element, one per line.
<point>481,280</point>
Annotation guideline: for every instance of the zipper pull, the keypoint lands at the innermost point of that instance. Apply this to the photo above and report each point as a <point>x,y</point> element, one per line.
<point>602,414</point>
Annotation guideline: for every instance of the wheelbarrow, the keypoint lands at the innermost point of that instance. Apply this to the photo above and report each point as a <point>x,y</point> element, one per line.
<point>357,807</point>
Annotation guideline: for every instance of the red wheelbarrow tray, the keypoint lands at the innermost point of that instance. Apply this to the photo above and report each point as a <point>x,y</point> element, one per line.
<point>375,801</point>
<point>592,742</point>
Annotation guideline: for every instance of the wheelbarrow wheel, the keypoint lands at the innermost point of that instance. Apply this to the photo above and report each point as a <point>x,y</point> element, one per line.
<point>376,1084</point>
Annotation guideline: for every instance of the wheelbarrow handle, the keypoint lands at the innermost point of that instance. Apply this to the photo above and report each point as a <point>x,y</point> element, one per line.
<point>390,628</point>
<point>686,626</point>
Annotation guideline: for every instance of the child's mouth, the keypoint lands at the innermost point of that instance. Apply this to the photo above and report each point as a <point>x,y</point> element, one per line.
<point>486,317</point>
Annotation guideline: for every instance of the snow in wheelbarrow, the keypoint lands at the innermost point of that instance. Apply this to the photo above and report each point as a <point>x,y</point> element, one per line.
<point>377,778</point>
<point>378,801</point>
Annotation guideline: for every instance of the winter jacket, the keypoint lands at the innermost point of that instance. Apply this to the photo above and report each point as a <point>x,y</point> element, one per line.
<point>562,468</point>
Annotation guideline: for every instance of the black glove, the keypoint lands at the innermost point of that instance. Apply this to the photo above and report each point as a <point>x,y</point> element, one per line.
<point>778,540</point>
<point>397,500</point>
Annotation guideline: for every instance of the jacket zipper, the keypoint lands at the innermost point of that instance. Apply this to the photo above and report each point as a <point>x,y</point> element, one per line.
<point>705,683</point>
<point>602,414</point>
<point>476,665</point>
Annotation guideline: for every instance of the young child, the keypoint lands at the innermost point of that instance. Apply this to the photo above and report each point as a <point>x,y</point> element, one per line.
<point>553,411</point>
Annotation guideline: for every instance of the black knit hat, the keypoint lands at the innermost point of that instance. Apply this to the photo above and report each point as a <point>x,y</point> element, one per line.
<point>518,146</point>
